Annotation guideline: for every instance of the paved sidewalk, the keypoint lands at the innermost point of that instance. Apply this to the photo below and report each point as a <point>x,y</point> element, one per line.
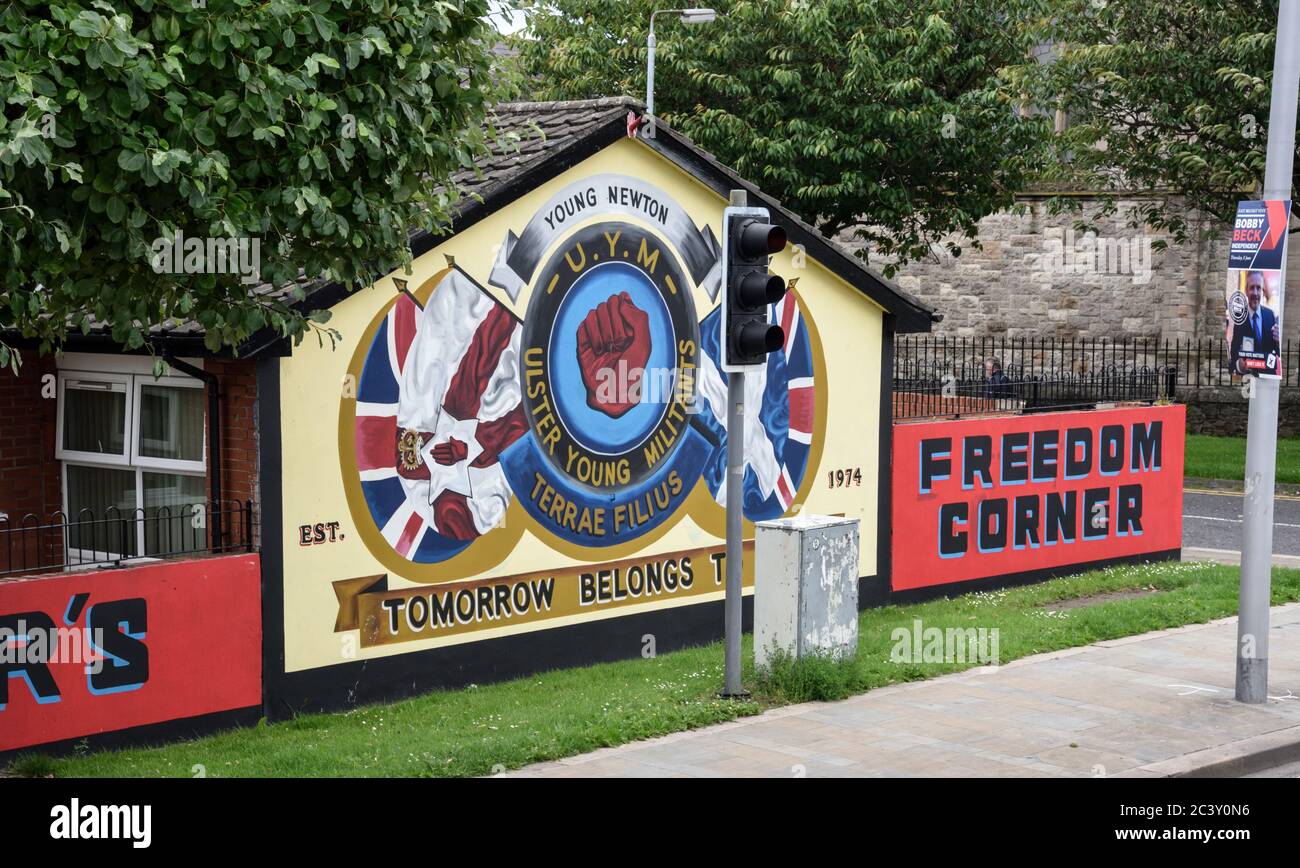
<point>1156,704</point>
<point>1232,558</point>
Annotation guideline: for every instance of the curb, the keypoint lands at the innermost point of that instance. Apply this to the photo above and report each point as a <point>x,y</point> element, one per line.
<point>1210,485</point>
<point>1233,760</point>
<point>1231,558</point>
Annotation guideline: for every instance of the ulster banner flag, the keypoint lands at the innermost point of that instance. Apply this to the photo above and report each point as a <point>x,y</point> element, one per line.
<point>454,368</point>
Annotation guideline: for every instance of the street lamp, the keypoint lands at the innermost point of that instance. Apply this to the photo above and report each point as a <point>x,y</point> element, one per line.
<point>686,16</point>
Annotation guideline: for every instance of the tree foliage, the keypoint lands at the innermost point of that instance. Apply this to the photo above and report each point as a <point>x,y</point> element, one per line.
<point>326,130</point>
<point>887,120</point>
<point>1159,97</point>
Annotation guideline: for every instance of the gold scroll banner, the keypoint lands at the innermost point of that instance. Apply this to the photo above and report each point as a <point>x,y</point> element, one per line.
<point>386,617</point>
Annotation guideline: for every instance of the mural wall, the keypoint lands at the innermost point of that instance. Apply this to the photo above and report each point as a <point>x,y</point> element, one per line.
<point>528,430</point>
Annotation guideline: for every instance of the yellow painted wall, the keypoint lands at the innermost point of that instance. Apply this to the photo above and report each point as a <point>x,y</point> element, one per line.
<point>316,407</point>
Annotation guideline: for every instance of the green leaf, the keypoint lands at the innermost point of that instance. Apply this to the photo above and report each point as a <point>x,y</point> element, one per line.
<point>88,24</point>
<point>207,121</point>
<point>131,161</point>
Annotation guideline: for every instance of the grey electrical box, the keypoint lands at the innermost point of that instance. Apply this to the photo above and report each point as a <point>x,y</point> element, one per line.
<point>805,587</point>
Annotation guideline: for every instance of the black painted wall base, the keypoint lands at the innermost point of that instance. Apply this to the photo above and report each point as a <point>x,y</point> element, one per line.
<point>388,678</point>
<point>149,735</point>
<point>400,676</point>
<point>1029,577</point>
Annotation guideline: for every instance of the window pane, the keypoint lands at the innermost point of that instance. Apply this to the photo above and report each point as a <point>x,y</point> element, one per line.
<point>101,512</point>
<point>169,508</point>
<point>94,416</point>
<point>171,423</point>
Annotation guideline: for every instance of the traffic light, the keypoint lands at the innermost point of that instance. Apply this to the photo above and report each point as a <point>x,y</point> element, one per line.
<point>747,242</point>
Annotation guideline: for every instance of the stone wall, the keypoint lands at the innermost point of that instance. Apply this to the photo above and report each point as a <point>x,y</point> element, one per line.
<point>1036,277</point>
<point>1224,412</point>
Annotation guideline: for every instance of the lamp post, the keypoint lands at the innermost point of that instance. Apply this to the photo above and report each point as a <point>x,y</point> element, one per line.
<point>686,16</point>
<point>1261,431</point>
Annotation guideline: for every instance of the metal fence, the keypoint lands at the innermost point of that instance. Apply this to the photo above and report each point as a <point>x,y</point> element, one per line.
<point>116,538</point>
<point>936,376</point>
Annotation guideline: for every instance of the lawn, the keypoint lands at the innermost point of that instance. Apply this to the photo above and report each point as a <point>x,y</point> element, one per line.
<point>487,729</point>
<point>1225,458</point>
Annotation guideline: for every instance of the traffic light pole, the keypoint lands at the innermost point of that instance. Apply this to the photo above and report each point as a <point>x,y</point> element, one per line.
<point>748,336</point>
<point>732,686</point>
<point>735,515</point>
<point>1261,433</point>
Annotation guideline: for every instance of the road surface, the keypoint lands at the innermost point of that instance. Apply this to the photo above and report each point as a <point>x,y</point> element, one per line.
<point>1212,523</point>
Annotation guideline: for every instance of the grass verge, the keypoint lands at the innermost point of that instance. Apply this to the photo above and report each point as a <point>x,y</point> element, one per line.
<point>1225,458</point>
<point>487,729</point>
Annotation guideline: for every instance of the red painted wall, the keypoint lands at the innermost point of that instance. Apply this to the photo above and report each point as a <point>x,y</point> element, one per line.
<point>940,496</point>
<point>180,639</point>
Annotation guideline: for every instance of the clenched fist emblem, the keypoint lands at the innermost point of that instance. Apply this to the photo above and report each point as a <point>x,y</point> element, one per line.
<point>613,347</point>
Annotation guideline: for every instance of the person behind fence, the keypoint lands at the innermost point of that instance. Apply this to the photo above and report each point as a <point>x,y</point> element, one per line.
<point>1257,335</point>
<point>996,384</point>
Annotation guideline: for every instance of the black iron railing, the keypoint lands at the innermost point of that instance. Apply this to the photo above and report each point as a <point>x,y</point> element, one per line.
<point>938,376</point>
<point>32,544</point>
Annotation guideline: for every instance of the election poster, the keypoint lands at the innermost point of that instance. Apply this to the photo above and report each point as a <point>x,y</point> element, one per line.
<point>1255,285</point>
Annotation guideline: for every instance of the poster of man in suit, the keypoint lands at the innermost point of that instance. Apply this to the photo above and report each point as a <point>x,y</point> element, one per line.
<point>1255,287</point>
<point>1254,325</point>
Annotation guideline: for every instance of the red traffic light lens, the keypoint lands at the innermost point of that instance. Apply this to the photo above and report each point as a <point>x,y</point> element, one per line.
<point>760,239</point>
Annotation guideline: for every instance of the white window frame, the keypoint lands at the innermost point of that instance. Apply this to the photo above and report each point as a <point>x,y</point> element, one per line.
<point>132,374</point>
<point>174,465</point>
<point>87,558</point>
<point>117,460</point>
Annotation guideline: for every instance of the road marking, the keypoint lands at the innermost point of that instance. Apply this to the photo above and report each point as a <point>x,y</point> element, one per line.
<point>1214,493</point>
<point>1235,520</point>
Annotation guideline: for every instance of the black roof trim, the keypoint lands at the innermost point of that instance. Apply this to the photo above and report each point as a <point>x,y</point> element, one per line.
<point>907,314</point>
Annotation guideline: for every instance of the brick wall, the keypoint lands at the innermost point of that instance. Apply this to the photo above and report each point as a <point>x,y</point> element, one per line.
<point>30,479</point>
<point>238,390</point>
<point>29,475</point>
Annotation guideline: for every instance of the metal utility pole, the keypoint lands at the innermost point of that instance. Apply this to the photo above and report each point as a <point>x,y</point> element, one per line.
<point>748,336</point>
<point>732,685</point>
<point>1261,436</point>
